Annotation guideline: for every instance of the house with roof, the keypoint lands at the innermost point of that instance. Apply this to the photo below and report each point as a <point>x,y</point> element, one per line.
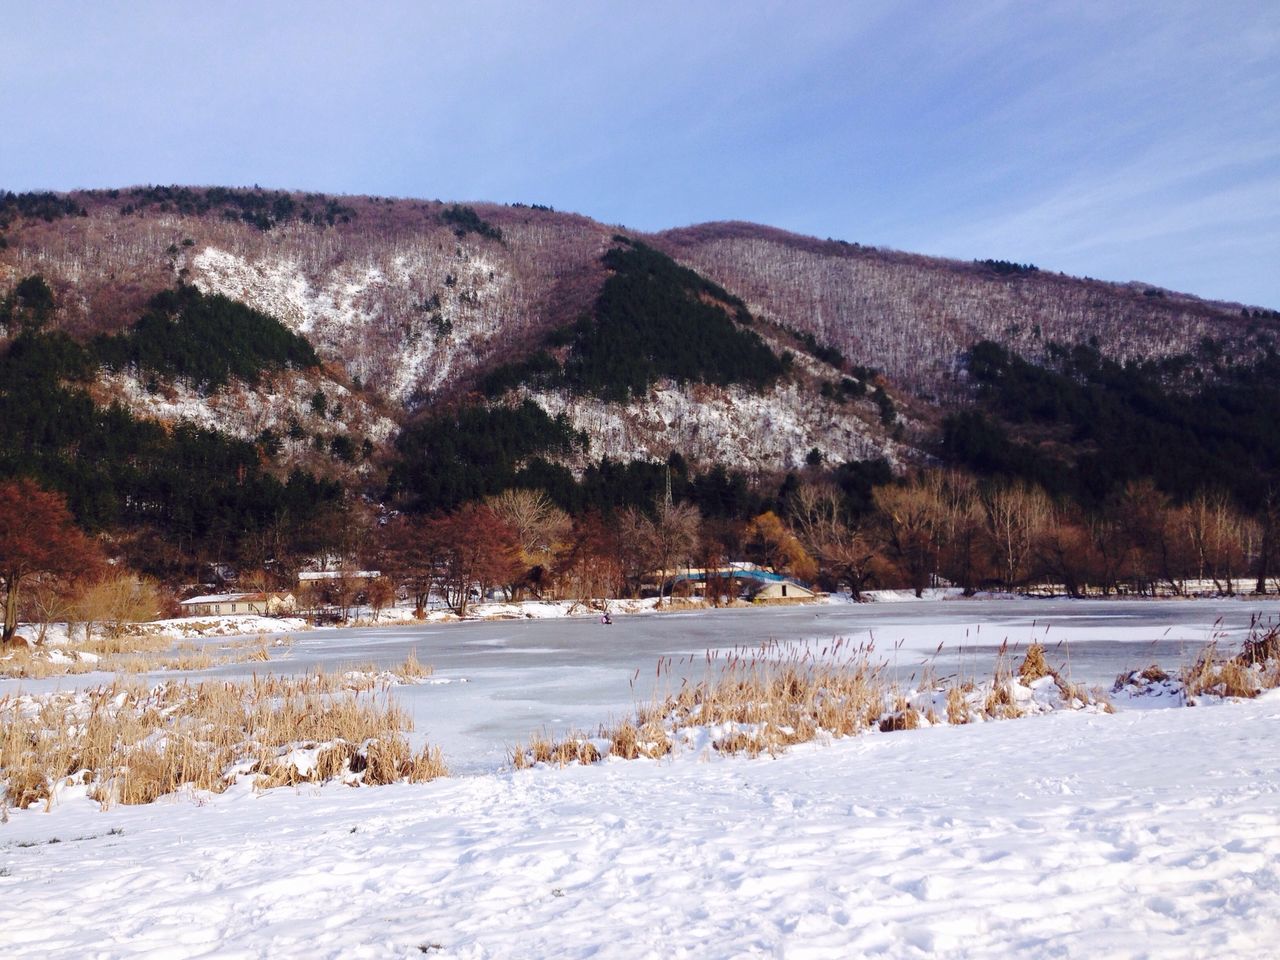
<point>263,604</point>
<point>752,582</point>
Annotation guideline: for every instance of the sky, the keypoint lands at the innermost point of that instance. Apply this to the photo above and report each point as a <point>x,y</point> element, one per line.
<point>1118,140</point>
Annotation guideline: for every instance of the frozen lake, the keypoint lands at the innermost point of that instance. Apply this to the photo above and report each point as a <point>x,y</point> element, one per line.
<point>500,681</point>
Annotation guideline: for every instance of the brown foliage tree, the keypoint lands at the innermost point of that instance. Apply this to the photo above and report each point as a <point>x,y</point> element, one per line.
<point>1268,546</point>
<point>542,530</point>
<point>115,600</point>
<point>37,536</point>
<point>1146,525</point>
<point>473,550</point>
<point>592,566</point>
<point>1066,553</point>
<point>909,517</point>
<point>381,593</point>
<point>408,559</point>
<point>771,544</point>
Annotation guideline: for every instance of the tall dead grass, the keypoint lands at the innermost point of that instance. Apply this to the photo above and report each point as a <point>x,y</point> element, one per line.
<point>130,743</point>
<point>143,653</point>
<point>1213,673</point>
<point>767,699</point>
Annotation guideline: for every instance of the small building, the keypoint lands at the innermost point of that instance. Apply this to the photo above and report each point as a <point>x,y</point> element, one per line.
<point>782,590</point>
<point>321,577</point>
<point>270,604</point>
<point>751,582</point>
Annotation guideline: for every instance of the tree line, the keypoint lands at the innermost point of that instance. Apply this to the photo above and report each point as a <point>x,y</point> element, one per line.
<point>937,527</point>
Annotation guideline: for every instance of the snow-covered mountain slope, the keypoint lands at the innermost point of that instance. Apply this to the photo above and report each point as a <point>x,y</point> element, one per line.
<point>243,411</point>
<point>402,322</point>
<point>418,300</point>
<point>776,428</point>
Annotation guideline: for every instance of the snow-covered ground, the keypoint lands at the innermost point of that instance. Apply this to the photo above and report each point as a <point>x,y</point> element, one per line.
<point>1148,833</point>
<point>1144,834</point>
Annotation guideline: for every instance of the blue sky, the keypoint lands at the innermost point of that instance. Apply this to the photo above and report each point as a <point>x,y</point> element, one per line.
<point>1127,141</point>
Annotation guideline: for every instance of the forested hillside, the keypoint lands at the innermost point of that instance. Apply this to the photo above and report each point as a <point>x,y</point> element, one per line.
<point>1083,426</point>
<point>915,316</point>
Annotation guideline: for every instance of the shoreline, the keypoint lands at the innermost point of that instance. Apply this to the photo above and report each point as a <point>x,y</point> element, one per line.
<point>250,625</point>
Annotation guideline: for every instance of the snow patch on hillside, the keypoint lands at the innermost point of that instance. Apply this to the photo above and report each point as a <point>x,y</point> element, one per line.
<point>404,323</point>
<point>244,411</point>
<point>729,425</point>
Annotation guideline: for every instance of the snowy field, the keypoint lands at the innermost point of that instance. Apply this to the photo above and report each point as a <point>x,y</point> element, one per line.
<point>1147,833</point>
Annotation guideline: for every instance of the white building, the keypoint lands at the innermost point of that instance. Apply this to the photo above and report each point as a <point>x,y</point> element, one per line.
<point>221,604</point>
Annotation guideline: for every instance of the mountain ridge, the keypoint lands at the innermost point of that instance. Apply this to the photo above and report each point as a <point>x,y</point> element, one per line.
<point>416,302</point>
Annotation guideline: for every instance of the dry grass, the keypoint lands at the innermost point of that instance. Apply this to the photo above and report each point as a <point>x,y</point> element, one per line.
<point>1000,703</point>
<point>1034,666</point>
<point>186,657</point>
<point>1220,676</point>
<point>957,706</point>
<point>756,702</point>
<point>411,669</point>
<point>904,718</point>
<point>576,748</point>
<point>765,700</point>
<point>132,743</point>
<point>26,663</point>
<point>142,653</point>
<point>1262,647</point>
<point>1251,671</point>
<point>97,652</point>
<point>1245,675</point>
<point>370,677</point>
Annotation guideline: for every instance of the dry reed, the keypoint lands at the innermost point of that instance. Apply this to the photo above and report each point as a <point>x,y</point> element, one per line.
<point>131,743</point>
<point>1221,676</point>
<point>764,700</point>
<point>128,653</point>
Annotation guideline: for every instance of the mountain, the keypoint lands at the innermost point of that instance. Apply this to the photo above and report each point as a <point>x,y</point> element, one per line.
<point>573,346</point>
<point>418,300</point>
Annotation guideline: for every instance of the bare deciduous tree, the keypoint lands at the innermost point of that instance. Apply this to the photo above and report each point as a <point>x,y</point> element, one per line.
<point>841,545</point>
<point>909,516</point>
<point>593,565</point>
<point>659,544</point>
<point>116,600</point>
<point>1016,515</point>
<point>542,530</point>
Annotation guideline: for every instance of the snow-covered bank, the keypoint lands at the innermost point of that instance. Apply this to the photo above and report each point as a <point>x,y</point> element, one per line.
<point>251,624</point>
<point>1149,833</point>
